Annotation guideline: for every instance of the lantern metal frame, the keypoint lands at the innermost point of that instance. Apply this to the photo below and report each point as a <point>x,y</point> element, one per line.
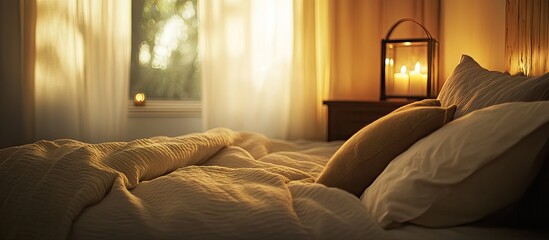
<point>432,61</point>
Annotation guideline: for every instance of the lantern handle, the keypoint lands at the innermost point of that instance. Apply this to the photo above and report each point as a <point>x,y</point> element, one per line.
<point>429,36</point>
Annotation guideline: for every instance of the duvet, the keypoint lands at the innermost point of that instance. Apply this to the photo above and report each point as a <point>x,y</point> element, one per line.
<point>218,184</point>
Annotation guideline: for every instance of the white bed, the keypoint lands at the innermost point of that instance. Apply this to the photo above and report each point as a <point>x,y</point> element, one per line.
<point>218,184</point>
<point>225,184</point>
<point>467,232</point>
<point>243,185</point>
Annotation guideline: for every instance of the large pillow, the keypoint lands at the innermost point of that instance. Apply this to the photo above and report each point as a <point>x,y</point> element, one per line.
<point>531,210</point>
<point>421,103</point>
<point>464,171</point>
<point>471,87</point>
<point>364,156</point>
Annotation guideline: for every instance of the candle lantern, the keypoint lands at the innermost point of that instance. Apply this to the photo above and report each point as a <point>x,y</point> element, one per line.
<point>409,67</point>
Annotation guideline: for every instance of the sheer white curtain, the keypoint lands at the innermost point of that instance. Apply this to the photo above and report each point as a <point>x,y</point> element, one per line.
<point>82,59</point>
<point>246,64</point>
<point>311,69</point>
<point>252,76</point>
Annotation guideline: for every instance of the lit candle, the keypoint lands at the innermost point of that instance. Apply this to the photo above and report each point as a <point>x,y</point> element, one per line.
<point>418,82</point>
<point>401,81</point>
<point>139,99</point>
<point>389,75</point>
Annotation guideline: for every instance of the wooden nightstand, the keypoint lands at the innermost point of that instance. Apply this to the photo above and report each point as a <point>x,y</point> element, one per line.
<point>345,118</point>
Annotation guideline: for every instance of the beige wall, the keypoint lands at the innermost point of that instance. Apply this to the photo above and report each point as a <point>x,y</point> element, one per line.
<point>475,28</point>
<point>472,27</point>
<point>355,49</point>
<point>11,113</point>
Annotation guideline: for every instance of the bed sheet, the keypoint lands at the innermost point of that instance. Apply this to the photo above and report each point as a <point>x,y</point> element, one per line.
<point>219,184</point>
<point>466,232</point>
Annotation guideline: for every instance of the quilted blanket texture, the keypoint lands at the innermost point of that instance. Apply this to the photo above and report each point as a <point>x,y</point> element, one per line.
<point>219,184</point>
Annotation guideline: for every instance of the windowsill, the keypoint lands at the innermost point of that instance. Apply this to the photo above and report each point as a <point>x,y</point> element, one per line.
<point>165,109</point>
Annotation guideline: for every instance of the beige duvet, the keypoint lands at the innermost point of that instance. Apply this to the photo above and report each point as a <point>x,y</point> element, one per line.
<point>218,184</point>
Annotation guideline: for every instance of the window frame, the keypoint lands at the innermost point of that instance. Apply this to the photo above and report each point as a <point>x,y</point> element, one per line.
<point>166,109</point>
<point>162,108</point>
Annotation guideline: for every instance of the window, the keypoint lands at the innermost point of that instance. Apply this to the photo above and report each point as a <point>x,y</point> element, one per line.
<point>165,64</point>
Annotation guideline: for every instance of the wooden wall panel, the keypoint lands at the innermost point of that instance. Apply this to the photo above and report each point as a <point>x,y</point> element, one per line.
<point>527,37</point>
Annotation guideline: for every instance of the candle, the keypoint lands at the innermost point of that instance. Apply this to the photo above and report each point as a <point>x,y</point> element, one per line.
<point>391,72</point>
<point>418,82</point>
<point>139,99</point>
<point>401,81</point>
<point>389,62</point>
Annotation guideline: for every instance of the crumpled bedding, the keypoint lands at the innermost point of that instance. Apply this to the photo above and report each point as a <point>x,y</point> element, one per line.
<point>218,184</point>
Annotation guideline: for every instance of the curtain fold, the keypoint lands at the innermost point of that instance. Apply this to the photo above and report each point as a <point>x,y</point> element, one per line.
<point>107,51</point>
<point>264,66</point>
<point>311,70</point>
<point>82,57</point>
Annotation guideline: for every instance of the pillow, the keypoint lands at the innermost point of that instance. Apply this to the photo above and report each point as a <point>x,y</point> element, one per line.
<point>421,103</point>
<point>531,210</point>
<point>469,168</point>
<point>357,163</point>
<point>471,87</point>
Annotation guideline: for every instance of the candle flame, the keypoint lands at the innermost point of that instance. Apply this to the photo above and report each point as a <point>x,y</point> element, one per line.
<point>418,67</point>
<point>403,69</point>
<point>140,97</point>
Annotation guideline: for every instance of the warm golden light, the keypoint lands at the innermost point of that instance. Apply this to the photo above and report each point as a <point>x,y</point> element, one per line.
<point>144,54</point>
<point>402,81</point>
<point>167,41</point>
<point>139,99</point>
<point>188,10</point>
<point>409,65</point>
<point>418,81</point>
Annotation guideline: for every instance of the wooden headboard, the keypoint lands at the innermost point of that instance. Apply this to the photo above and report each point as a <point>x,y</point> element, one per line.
<point>527,37</point>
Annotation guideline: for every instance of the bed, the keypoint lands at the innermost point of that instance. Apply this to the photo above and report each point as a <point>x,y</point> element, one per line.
<point>471,164</point>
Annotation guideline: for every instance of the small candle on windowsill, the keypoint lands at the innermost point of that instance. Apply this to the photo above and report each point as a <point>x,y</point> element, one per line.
<point>139,99</point>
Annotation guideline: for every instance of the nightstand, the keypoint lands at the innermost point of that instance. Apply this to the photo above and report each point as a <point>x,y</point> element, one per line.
<point>345,118</point>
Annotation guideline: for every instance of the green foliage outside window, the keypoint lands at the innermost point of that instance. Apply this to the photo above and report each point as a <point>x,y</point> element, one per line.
<point>165,62</point>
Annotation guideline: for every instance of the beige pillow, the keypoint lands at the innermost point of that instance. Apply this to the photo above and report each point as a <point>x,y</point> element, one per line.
<point>471,87</point>
<point>364,156</point>
<point>471,167</point>
<point>421,103</point>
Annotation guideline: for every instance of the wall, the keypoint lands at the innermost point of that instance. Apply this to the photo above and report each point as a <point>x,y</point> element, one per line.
<point>355,49</point>
<point>143,127</point>
<point>472,27</point>
<point>11,117</point>
<point>475,28</point>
